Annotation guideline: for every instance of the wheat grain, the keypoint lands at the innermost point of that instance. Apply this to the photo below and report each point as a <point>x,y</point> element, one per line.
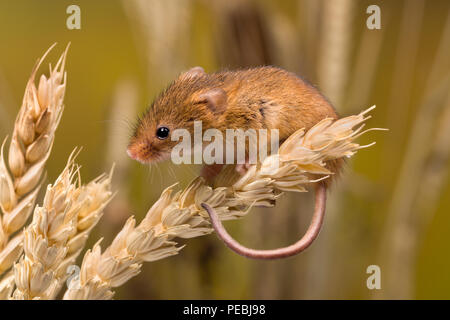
<point>46,237</point>
<point>58,232</point>
<point>93,199</point>
<point>30,147</point>
<point>181,214</point>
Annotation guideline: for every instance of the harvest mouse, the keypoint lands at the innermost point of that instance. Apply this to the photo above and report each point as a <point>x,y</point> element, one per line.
<point>256,98</point>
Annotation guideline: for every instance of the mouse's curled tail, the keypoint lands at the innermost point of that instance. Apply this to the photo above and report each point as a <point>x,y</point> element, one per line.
<point>310,235</point>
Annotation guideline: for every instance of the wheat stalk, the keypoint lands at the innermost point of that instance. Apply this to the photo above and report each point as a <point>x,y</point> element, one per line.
<point>58,232</point>
<point>30,147</point>
<point>181,214</point>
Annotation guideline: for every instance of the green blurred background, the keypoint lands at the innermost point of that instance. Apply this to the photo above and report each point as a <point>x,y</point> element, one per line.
<point>391,207</point>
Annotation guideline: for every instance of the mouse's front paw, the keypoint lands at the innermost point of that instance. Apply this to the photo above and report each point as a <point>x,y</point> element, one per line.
<point>242,168</point>
<point>209,172</point>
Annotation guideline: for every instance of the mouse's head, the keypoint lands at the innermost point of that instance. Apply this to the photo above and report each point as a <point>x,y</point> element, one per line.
<point>193,96</point>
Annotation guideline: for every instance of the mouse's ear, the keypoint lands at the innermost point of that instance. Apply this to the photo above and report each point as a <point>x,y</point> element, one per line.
<point>216,100</point>
<point>192,73</point>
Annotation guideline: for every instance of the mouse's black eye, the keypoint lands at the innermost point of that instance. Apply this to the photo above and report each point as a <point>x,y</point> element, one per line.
<point>162,132</point>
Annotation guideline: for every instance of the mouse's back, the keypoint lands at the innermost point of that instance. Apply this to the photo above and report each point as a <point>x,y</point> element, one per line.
<point>275,98</point>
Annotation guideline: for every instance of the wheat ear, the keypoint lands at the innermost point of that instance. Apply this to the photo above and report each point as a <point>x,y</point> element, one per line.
<point>181,214</point>
<point>93,199</point>
<point>58,232</point>
<point>30,147</point>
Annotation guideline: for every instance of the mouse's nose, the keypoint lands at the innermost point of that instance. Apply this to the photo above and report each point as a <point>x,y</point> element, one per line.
<point>138,152</point>
<point>131,153</point>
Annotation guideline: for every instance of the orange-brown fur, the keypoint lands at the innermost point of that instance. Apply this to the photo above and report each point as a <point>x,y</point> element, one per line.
<point>256,98</point>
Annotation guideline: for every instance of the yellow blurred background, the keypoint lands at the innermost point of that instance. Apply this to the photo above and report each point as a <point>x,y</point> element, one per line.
<point>391,207</point>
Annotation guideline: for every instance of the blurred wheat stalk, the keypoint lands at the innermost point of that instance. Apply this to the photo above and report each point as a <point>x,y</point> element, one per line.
<point>416,196</point>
